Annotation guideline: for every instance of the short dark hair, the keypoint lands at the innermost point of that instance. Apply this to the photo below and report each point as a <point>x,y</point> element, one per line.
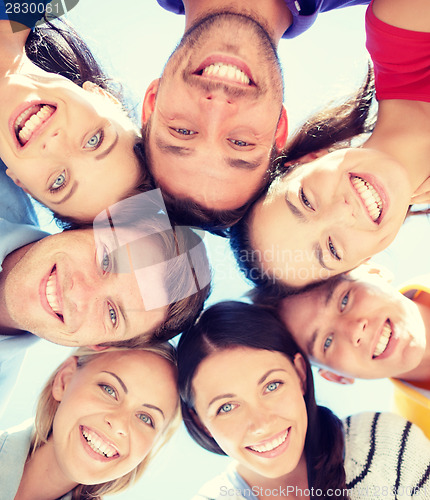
<point>231,324</point>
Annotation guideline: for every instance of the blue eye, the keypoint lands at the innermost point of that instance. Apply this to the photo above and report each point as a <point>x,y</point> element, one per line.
<point>344,302</point>
<point>112,315</point>
<point>239,143</point>
<point>146,419</point>
<point>95,141</point>
<point>305,201</point>
<point>328,342</point>
<point>59,183</point>
<point>108,390</point>
<point>273,386</point>
<point>225,408</point>
<point>333,250</point>
<point>184,131</point>
<point>105,262</point>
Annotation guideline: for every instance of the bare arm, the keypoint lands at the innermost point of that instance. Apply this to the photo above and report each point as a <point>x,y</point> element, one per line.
<point>408,14</point>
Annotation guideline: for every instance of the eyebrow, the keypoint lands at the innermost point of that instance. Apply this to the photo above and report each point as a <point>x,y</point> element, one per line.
<point>294,210</point>
<point>319,255</point>
<point>264,377</point>
<point>243,164</point>
<point>109,149</point>
<point>154,408</point>
<point>330,288</point>
<point>124,387</point>
<point>182,151</point>
<point>68,195</point>
<point>171,149</point>
<point>221,396</point>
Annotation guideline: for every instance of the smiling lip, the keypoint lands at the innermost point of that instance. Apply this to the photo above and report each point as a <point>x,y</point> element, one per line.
<point>102,441</point>
<point>391,345</point>
<point>225,60</point>
<point>274,449</point>
<point>43,295</point>
<point>372,181</point>
<point>26,107</point>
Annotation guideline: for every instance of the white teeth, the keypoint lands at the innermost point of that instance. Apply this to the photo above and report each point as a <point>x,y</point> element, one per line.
<point>228,71</point>
<point>383,340</point>
<point>98,445</point>
<point>30,119</point>
<point>370,197</point>
<point>51,293</point>
<point>271,445</point>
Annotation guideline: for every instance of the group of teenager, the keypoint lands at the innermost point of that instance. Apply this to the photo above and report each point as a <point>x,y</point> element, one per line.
<point>129,271</point>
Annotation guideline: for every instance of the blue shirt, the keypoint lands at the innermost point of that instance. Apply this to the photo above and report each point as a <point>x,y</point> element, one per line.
<point>304,12</point>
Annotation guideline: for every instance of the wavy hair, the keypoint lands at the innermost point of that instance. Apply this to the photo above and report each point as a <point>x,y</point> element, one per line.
<point>47,408</point>
<point>227,325</point>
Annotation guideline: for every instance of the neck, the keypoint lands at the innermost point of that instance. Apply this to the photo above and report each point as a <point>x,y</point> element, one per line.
<point>422,372</point>
<point>42,478</point>
<point>7,325</point>
<point>273,14</point>
<point>402,131</point>
<point>298,478</point>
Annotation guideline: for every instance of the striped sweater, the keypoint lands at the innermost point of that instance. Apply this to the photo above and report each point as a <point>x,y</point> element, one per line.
<point>386,457</point>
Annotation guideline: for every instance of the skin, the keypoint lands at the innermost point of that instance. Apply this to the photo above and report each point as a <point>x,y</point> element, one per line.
<point>317,206</point>
<point>98,304</point>
<point>338,325</point>
<point>81,159</point>
<point>127,398</point>
<point>210,138</point>
<point>240,411</point>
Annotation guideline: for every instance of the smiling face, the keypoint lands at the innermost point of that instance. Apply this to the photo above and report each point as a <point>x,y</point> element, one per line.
<point>65,289</point>
<point>362,328</point>
<point>328,216</point>
<point>251,402</point>
<point>111,412</point>
<point>70,148</point>
<point>215,115</point>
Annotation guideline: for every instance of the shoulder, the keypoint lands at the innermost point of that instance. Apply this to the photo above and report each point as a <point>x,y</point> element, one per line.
<point>228,484</point>
<point>385,449</point>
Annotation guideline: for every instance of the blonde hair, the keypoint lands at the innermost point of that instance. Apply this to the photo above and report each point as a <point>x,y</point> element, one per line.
<point>47,408</point>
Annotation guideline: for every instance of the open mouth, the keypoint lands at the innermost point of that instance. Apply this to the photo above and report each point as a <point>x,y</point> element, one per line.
<point>98,445</point>
<point>272,444</point>
<point>225,69</point>
<point>30,121</point>
<point>384,340</point>
<point>369,196</point>
<point>52,295</point>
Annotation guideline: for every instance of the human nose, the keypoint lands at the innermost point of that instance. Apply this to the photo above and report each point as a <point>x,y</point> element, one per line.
<point>80,294</point>
<point>217,106</point>
<point>55,143</point>
<point>118,422</point>
<point>258,420</point>
<point>356,330</point>
<point>340,211</point>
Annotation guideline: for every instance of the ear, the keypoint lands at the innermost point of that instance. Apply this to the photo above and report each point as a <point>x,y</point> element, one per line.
<point>149,100</point>
<point>282,130</point>
<point>334,377</point>
<point>16,180</point>
<point>98,347</point>
<point>300,366</point>
<point>63,377</point>
<point>95,89</point>
<point>422,193</point>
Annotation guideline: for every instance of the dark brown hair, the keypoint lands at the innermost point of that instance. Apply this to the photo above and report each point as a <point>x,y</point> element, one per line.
<point>227,325</point>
